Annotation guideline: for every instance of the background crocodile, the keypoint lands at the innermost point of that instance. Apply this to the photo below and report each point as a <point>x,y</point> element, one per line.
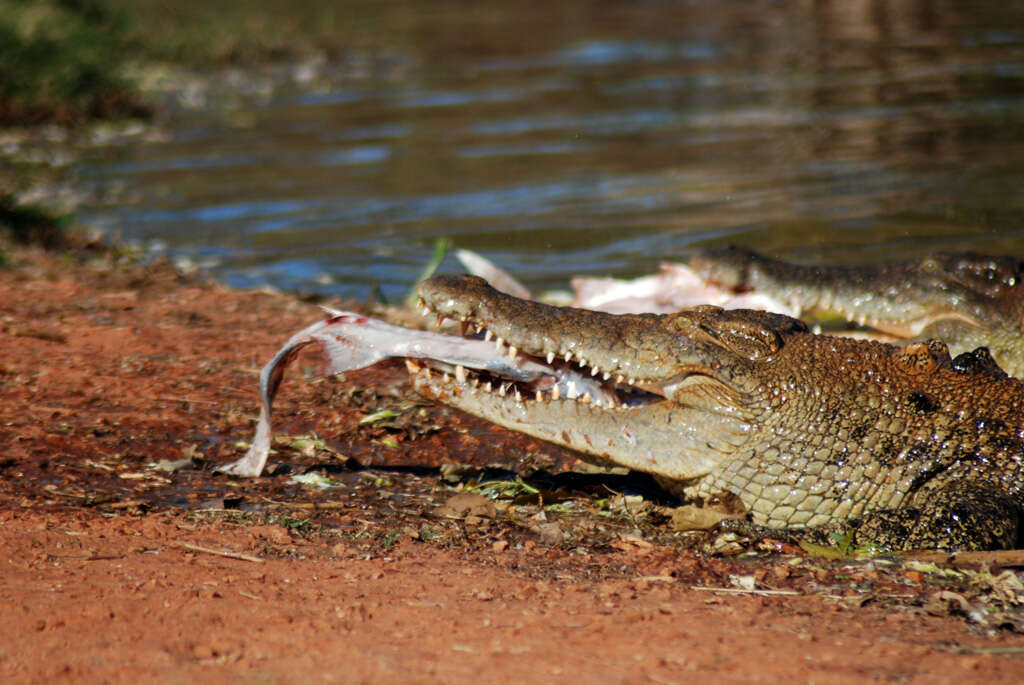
<point>967,300</point>
<point>905,446</point>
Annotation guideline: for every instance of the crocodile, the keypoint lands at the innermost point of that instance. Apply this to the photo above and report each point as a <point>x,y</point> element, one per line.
<point>904,447</point>
<point>967,300</point>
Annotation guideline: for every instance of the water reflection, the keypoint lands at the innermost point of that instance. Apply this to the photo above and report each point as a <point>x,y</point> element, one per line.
<point>596,138</point>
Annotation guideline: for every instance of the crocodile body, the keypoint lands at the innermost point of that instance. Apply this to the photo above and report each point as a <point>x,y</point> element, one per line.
<point>907,446</point>
<point>967,300</point>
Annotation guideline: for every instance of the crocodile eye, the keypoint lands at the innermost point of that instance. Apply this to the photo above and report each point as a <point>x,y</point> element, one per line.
<point>744,338</point>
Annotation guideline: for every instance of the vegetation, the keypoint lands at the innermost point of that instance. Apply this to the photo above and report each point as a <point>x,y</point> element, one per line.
<point>31,224</point>
<point>62,61</point>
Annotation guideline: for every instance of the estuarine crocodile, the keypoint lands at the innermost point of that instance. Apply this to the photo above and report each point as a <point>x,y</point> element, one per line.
<point>967,300</point>
<point>906,446</point>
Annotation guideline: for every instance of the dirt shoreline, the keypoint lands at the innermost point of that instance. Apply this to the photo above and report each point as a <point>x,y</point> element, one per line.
<point>124,562</point>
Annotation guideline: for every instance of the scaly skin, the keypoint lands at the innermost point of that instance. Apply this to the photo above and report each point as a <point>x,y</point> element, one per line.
<point>966,300</point>
<point>904,445</point>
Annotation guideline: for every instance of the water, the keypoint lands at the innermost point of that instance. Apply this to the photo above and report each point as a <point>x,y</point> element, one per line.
<point>585,137</point>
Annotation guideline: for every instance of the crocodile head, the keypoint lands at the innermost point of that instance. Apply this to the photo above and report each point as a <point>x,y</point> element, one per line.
<point>673,395</point>
<point>968,300</point>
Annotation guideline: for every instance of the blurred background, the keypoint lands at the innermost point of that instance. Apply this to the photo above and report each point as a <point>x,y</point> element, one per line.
<point>327,146</point>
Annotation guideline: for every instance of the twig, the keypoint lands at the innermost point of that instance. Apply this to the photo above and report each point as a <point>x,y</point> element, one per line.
<point>229,554</point>
<point>970,649</point>
<point>1001,557</point>
<point>742,591</point>
<point>187,400</point>
<point>312,506</point>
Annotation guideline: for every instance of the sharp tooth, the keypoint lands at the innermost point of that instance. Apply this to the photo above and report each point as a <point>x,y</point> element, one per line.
<point>539,396</point>
<point>605,376</point>
<point>502,389</point>
<point>426,371</point>
<point>460,373</point>
<point>512,352</point>
<point>619,378</point>
<point>519,398</point>
<point>555,394</point>
<point>440,320</point>
<point>487,386</point>
<point>479,328</point>
<point>499,343</point>
<point>586,397</point>
<point>475,381</point>
<point>412,366</point>
<point>594,371</point>
<point>632,381</point>
<point>426,311</point>
<point>551,357</point>
<point>568,356</point>
<point>488,335</point>
<point>582,362</point>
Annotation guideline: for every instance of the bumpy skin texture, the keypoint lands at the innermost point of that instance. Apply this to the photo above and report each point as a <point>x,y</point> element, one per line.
<point>906,446</point>
<point>967,300</point>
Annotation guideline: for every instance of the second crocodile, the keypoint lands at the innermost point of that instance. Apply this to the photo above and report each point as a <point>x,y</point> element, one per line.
<point>967,300</point>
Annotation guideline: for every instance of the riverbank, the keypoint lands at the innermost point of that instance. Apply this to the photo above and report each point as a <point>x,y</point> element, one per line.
<point>128,559</point>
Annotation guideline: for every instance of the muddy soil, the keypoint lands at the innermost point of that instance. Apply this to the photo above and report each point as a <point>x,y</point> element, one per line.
<point>393,540</point>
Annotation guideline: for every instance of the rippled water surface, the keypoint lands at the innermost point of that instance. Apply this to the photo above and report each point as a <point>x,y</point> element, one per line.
<point>564,138</point>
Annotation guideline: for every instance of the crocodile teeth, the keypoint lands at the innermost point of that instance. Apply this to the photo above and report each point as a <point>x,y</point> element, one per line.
<point>539,396</point>
<point>586,397</point>
<point>519,398</point>
<point>488,335</point>
<point>568,356</point>
<point>594,371</point>
<point>551,357</point>
<point>555,394</point>
<point>460,373</point>
<point>412,366</point>
<point>499,343</point>
<point>502,389</point>
<point>619,378</point>
<point>488,387</point>
<point>512,352</point>
<point>426,371</point>
<point>440,320</point>
<point>605,376</point>
<point>426,311</point>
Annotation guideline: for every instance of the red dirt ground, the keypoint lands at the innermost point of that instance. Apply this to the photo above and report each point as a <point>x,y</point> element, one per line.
<point>117,571</point>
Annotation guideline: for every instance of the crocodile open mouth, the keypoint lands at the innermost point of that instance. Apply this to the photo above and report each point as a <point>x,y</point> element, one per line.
<point>533,377</point>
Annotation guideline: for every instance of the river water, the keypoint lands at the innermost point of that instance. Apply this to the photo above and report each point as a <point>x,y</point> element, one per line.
<point>591,137</point>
